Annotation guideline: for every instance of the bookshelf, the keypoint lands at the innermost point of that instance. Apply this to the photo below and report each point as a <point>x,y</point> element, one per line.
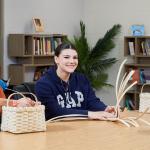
<point>138,49</point>
<point>31,51</point>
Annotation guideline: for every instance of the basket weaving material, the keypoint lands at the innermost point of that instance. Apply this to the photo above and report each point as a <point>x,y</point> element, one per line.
<point>23,119</point>
<point>144,100</point>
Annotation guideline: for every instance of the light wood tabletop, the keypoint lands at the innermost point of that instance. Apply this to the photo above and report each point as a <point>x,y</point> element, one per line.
<point>81,135</point>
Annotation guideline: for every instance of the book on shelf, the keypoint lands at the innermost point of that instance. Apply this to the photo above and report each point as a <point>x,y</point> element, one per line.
<point>47,46</point>
<point>55,41</point>
<point>142,76</point>
<point>36,46</point>
<point>146,74</point>
<point>52,45</point>
<point>147,46</point>
<point>42,46</point>
<point>131,48</point>
<point>143,48</point>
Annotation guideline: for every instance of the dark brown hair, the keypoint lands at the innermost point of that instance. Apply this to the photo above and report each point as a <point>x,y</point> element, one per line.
<point>63,46</point>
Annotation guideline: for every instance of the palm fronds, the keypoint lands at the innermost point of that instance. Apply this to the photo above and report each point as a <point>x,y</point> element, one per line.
<point>93,62</point>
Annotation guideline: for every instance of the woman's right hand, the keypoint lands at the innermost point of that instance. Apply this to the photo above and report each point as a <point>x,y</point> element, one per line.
<point>100,115</point>
<point>2,103</point>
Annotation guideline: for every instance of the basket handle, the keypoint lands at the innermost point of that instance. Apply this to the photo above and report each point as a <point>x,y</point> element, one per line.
<point>143,86</point>
<point>35,98</point>
<point>22,94</point>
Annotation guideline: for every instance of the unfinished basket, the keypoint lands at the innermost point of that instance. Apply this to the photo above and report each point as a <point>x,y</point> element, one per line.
<point>23,119</point>
<point>144,100</point>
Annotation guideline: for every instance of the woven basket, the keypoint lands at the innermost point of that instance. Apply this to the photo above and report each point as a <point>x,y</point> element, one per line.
<point>23,119</point>
<point>144,100</point>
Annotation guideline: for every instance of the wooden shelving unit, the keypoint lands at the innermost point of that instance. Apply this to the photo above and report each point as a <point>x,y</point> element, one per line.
<point>140,62</point>
<point>31,51</point>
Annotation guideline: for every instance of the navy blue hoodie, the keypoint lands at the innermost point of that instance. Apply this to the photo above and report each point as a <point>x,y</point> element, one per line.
<point>61,98</point>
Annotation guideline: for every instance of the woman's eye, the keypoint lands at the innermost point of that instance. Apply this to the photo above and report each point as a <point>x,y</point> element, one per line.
<point>66,56</point>
<point>75,57</point>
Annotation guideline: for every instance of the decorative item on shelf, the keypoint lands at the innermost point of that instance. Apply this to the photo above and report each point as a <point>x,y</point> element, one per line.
<point>39,71</point>
<point>136,75</point>
<point>38,24</point>
<point>137,30</point>
<point>37,74</point>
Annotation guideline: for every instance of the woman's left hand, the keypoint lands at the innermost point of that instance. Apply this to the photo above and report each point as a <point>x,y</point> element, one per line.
<point>25,102</point>
<point>110,109</point>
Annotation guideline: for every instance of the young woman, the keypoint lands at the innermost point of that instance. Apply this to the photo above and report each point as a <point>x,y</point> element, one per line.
<point>65,92</point>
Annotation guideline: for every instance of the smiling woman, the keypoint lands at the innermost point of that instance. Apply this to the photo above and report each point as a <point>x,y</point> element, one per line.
<point>66,92</point>
<point>66,60</point>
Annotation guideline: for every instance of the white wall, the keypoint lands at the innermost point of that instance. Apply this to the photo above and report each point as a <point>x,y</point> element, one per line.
<point>101,15</point>
<point>59,16</point>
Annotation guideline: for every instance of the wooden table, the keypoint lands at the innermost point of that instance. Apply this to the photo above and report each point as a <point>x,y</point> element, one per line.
<point>81,135</point>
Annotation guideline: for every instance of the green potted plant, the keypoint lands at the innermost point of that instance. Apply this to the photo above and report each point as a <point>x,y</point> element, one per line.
<point>93,62</point>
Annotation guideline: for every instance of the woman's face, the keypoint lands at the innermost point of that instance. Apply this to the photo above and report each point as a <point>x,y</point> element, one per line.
<point>67,61</point>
